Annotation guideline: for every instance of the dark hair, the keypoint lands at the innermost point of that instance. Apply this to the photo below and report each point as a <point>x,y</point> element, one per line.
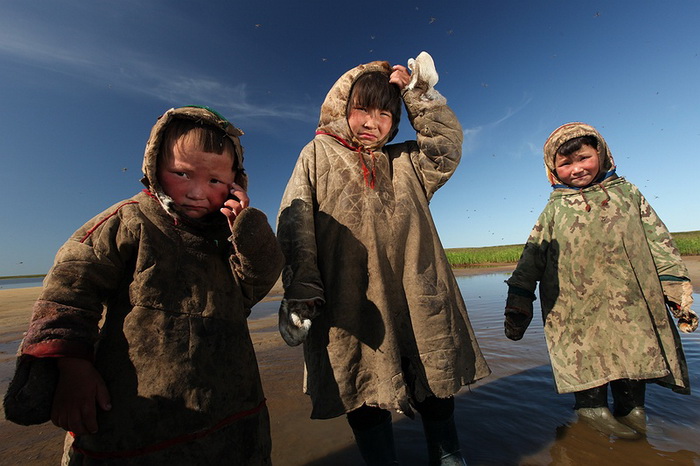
<point>572,145</point>
<point>373,90</point>
<point>206,138</point>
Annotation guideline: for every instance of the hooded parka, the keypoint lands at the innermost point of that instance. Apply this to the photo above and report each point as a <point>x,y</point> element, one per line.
<point>599,254</point>
<point>358,236</point>
<point>174,349</point>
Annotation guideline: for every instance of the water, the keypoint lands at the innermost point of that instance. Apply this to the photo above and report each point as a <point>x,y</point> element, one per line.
<point>515,415</point>
<point>264,309</point>
<point>512,417</point>
<point>12,283</point>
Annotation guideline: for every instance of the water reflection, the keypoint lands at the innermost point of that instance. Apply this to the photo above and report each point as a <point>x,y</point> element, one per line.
<point>516,417</point>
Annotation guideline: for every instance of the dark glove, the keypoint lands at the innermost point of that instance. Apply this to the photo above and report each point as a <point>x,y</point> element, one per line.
<point>295,320</point>
<point>29,397</point>
<point>679,297</point>
<point>518,315</point>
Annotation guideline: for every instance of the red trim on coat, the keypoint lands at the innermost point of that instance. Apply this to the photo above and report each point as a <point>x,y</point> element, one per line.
<point>59,349</point>
<point>92,230</point>
<point>170,442</point>
<point>369,175</point>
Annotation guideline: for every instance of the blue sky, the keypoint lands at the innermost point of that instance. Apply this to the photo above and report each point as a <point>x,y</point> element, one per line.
<point>81,83</point>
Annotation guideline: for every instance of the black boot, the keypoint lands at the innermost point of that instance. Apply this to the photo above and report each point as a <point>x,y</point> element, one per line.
<point>443,444</point>
<point>592,408</point>
<point>376,443</point>
<point>628,396</point>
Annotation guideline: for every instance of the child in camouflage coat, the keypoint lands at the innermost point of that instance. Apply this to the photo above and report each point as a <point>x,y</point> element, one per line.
<point>608,268</point>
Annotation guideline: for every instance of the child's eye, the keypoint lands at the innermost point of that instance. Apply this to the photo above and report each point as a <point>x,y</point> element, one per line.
<point>360,109</point>
<point>387,114</point>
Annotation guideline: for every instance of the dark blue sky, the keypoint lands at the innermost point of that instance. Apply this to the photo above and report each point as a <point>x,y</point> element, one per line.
<point>81,83</point>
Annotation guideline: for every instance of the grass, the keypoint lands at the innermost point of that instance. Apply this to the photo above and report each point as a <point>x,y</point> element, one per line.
<point>474,257</point>
<point>688,243</point>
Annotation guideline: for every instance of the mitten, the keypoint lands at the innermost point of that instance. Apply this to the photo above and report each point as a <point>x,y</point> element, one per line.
<point>29,397</point>
<point>424,76</point>
<point>295,320</point>
<point>256,247</point>
<point>518,315</point>
<point>679,297</point>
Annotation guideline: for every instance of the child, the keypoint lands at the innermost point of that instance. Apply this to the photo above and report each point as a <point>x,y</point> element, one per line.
<point>607,267</point>
<point>368,288</point>
<point>171,376</point>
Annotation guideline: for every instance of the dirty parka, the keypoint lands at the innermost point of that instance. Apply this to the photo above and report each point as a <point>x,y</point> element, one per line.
<point>174,349</point>
<point>598,254</point>
<point>358,236</point>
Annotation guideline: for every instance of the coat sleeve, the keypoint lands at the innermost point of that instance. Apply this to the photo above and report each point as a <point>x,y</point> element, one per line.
<point>663,248</point>
<point>438,135</point>
<point>533,260</point>
<point>88,270</point>
<point>296,230</point>
<point>257,259</point>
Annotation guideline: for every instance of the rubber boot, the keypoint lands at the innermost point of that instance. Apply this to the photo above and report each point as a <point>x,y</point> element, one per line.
<point>628,396</point>
<point>592,408</point>
<point>636,419</point>
<point>602,420</point>
<point>443,444</point>
<point>376,444</point>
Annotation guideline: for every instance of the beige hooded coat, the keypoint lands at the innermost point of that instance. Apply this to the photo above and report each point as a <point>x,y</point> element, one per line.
<point>393,326</point>
<point>599,254</point>
<point>174,349</point>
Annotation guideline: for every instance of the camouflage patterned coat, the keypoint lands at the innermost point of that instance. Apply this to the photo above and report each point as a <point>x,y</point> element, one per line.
<point>394,326</point>
<point>174,349</point>
<point>597,254</point>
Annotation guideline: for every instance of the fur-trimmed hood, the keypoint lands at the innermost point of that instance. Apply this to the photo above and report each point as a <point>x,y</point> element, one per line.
<point>334,111</point>
<point>570,131</point>
<point>202,115</point>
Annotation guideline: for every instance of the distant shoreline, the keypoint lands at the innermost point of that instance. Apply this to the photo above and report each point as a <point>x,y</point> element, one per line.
<point>471,269</point>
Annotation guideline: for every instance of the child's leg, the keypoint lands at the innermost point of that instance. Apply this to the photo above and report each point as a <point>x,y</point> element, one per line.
<point>628,396</point>
<point>437,415</point>
<point>596,397</point>
<point>592,408</point>
<point>373,434</point>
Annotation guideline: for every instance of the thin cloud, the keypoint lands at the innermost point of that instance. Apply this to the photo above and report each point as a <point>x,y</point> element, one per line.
<point>131,71</point>
<point>472,135</point>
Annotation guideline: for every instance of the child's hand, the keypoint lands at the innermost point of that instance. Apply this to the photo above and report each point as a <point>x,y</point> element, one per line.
<point>79,391</point>
<point>518,316</point>
<point>400,76</point>
<point>232,207</point>
<point>679,297</point>
<point>295,320</point>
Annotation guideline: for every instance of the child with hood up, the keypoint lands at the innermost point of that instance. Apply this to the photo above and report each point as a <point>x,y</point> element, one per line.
<point>170,377</point>
<point>607,269</point>
<point>368,288</point>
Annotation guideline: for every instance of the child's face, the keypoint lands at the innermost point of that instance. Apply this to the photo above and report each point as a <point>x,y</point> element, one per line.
<point>369,125</point>
<point>578,169</point>
<point>198,182</point>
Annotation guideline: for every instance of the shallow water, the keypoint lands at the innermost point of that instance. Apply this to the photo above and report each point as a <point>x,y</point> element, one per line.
<point>515,415</point>
<point>512,417</point>
<point>15,283</point>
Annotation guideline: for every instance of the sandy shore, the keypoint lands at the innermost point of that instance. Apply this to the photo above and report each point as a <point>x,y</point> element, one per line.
<point>296,438</point>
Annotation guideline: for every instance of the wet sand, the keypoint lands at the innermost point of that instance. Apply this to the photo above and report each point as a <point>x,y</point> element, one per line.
<point>490,415</point>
